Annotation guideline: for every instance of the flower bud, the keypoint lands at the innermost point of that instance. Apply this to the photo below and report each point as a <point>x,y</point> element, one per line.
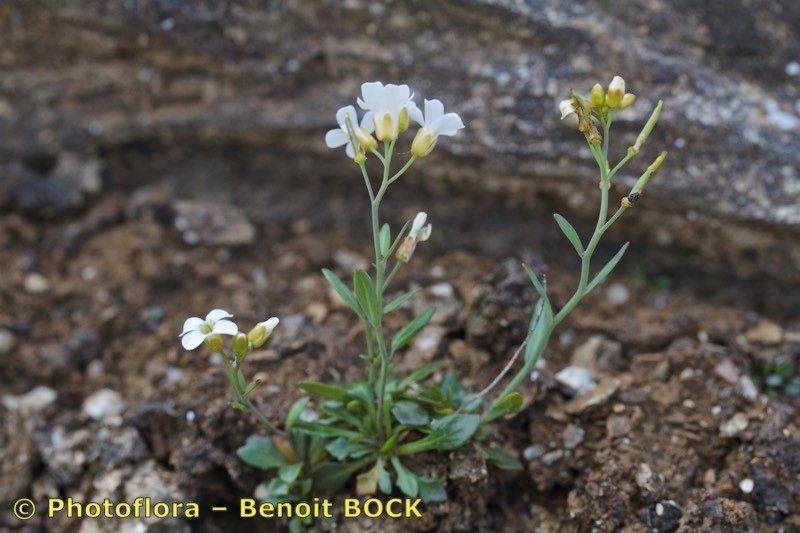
<point>616,91</point>
<point>360,158</point>
<point>240,345</point>
<point>365,139</point>
<point>284,447</point>
<point>261,332</point>
<point>627,100</point>
<point>598,95</point>
<point>404,119</point>
<point>385,128</point>
<point>406,249</point>
<point>422,144</point>
<point>214,343</point>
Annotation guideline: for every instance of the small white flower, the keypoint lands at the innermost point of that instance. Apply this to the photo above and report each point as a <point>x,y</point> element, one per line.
<point>388,106</point>
<point>419,231</point>
<point>270,324</point>
<point>434,123</point>
<point>196,330</point>
<point>341,136</point>
<point>566,108</point>
<point>616,91</point>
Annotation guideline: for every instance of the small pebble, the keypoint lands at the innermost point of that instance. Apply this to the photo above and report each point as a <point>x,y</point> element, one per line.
<point>766,332</point>
<point>734,426</point>
<point>576,378</point>
<point>35,399</point>
<point>6,341</point>
<point>747,485</point>
<point>618,294</point>
<point>727,370</point>
<point>35,283</point>
<point>532,452</point>
<point>103,403</point>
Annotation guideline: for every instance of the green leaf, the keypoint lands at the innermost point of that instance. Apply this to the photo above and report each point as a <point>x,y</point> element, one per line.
<point>430,490</point>
<point>289,473</point>
<point>420,374</point>
<point>410,330</point>
<point>342,448</point>
<point>294,413</point>
<point>570,232</point>
<point>276,490</point>
<point>406,480</point>
<point>385,240</point>
<point>384,480</point>
<point>501,459</point>
<point>447,433</point>
<point>410,413</point>
<point>261,452</point>
<point>342,290</point>
<point>366,296</point>
<point>509,404</point>
<point>322,390</point>
<point>399,301</point>
<point>454,430</point>
<point>598,279</point>
<point>323,430</point>
<point>330,476</point>
<point>537,285</point>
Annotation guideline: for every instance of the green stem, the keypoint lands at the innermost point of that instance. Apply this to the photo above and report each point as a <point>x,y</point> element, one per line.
<point>242,398</point>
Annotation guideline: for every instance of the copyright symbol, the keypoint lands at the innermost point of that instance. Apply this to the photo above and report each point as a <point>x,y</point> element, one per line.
<point>24,509</point>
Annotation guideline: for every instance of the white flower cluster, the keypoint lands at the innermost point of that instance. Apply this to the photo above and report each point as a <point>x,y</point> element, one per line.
<point>614,98</point>
<point>197,330</point>
<point>389,110</point>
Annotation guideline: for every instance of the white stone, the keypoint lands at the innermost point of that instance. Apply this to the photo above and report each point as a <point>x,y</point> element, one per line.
<point>576,378</point>
<point>747,485</point>
<point>103,403</point>
<point>35,399</point>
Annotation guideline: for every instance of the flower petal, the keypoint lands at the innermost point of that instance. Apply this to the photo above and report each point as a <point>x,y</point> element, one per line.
<point>336,138</point>
<point>349,151</point>
<point>192,324</point>
<point>346,112</point>
<point>271,323</point>
<point>217,314</point>
<point>433,110</point>
<point>415,114</point>
<point>447,125</point>
<point>193,339</point>
<point>225,327</point>
<point>372,94</point>
<point>367,122</point>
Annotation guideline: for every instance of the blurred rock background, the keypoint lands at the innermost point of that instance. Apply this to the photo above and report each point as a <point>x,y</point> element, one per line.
<point>220,96</point>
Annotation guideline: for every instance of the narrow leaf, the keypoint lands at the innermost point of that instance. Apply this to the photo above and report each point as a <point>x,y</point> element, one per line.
<point>385,239</point>
<point>293,415</point>
<point>329,392</point>
<point>598,279</point>
<point>509,404</point>
<point>570,232</point>
<point>399,301</point>
<point>501,459</point>
<point>366,296</point>
<point>420,374</point>
<point>342,290</point>
<point>410,330</point>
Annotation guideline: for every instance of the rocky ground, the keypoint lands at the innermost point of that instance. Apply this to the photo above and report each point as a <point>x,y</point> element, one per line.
<point>650,412</point>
